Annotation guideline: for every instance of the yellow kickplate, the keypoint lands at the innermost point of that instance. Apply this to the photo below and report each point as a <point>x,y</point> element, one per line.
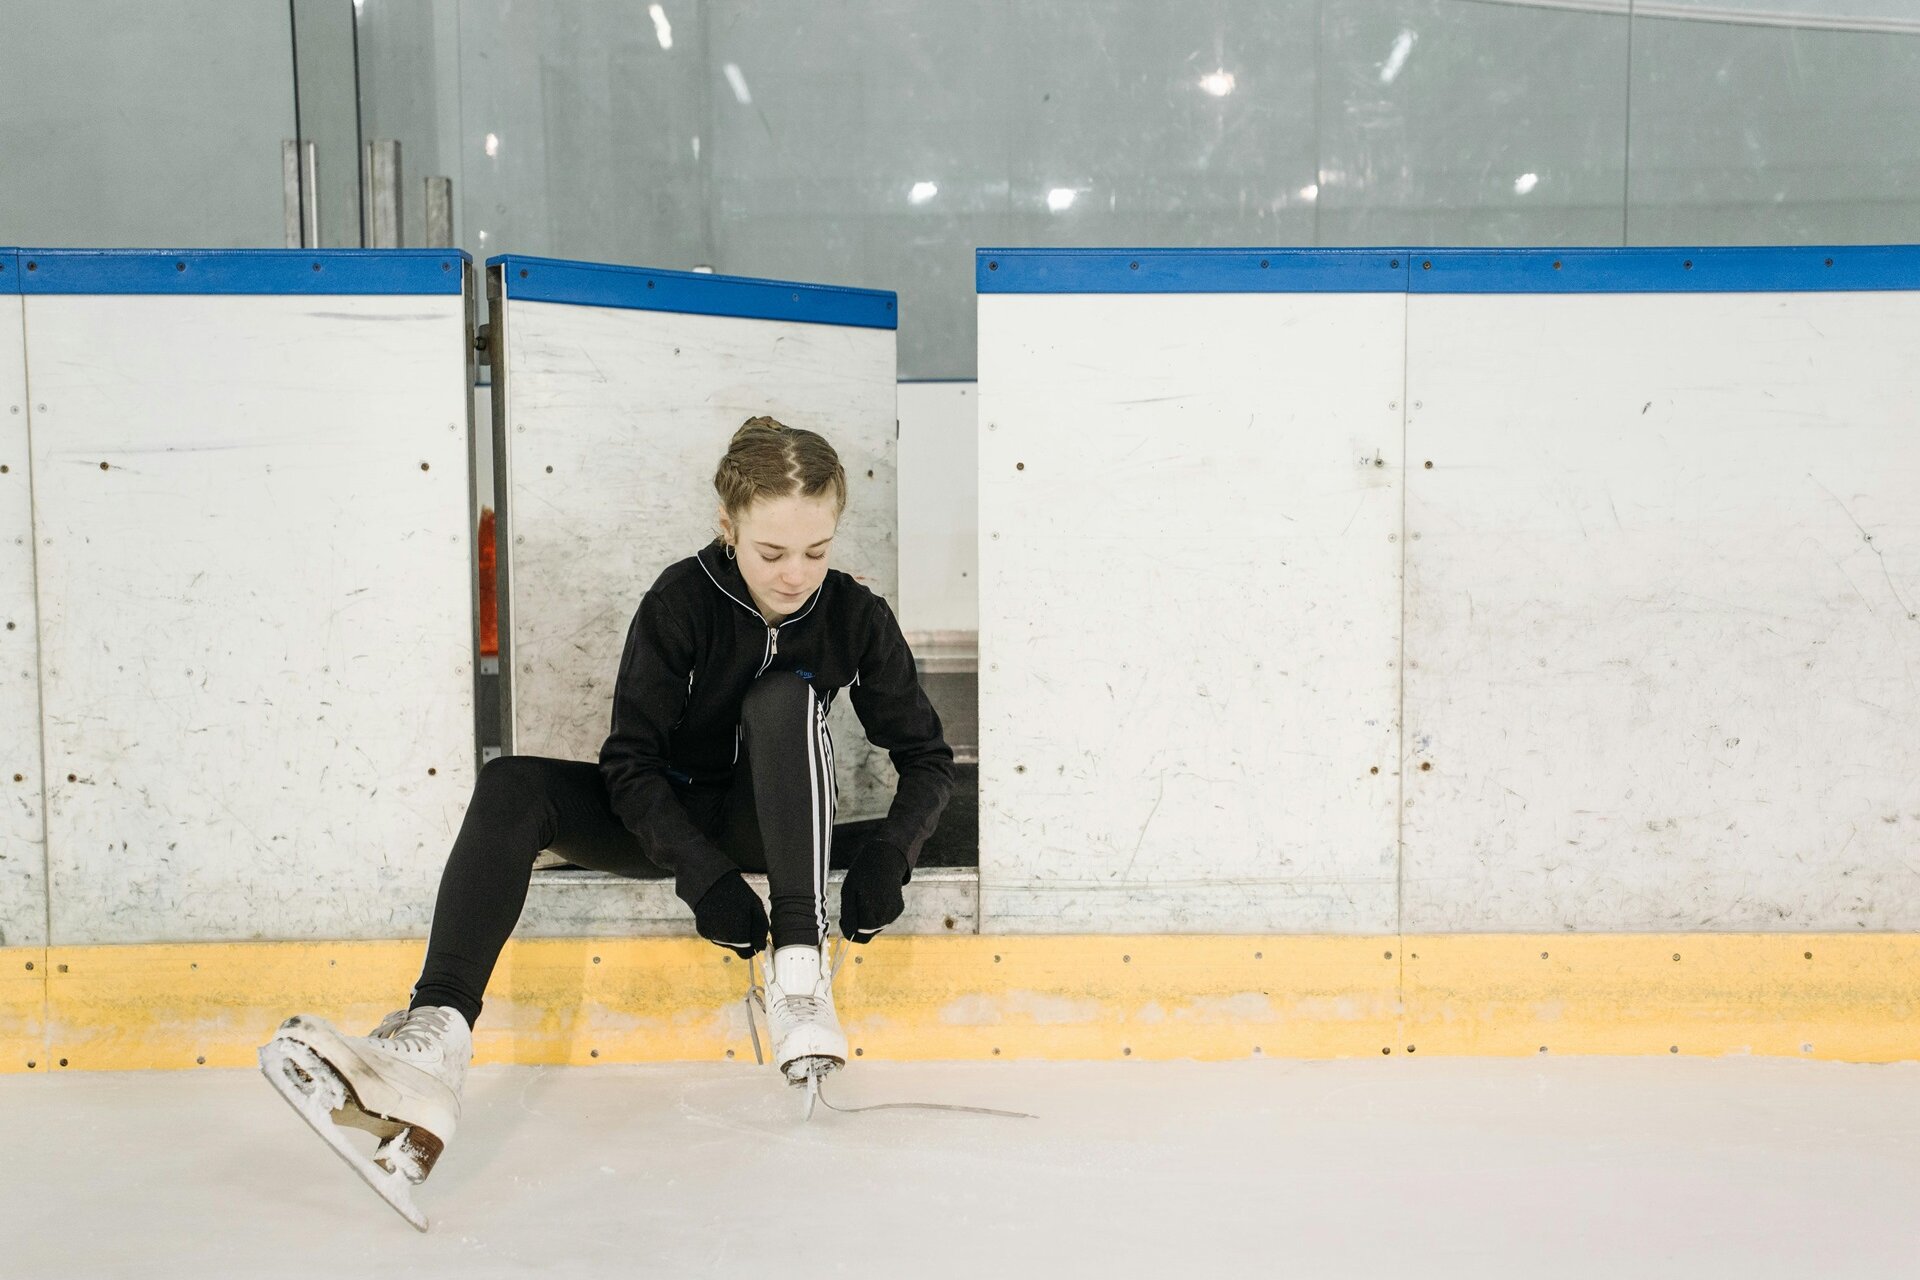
<point>23,1009</point>
<point>1852,997</point>
<point>586,1001</point>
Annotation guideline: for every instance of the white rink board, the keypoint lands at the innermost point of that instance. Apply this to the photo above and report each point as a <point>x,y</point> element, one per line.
<point>23,848</point>
<point>1662,677</point>
<point>632,410</point>
<point>1189,612</point>
<point>258,621</point>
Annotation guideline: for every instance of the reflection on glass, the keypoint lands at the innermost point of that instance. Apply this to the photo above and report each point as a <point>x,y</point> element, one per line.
<point>739,83</point>
<point>1402,46</point>
<point>1217,83</point>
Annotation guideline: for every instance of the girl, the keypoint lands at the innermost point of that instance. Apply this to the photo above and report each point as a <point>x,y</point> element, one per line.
<point>719,762</point>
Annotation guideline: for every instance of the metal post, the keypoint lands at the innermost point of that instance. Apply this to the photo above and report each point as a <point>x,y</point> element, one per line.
<point>290,183</point>
<point>310,197</point>
<point>383,172</point>
<point>439,209</point>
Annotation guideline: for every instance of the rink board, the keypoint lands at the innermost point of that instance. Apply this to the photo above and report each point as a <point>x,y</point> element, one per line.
<point>1640,520</point>
<point>23,847</point>
<point>604,1000</point>
<point>1189,612</point>
<point>617,390</point>
<point>1663,612</point>
<point>254,537</point>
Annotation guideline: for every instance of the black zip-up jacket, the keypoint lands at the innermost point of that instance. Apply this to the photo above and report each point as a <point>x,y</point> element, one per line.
<point>695,647</point>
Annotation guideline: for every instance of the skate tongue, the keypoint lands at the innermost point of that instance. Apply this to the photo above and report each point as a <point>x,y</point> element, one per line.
<point>796,969</point>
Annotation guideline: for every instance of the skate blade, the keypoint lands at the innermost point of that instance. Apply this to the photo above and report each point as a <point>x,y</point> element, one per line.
<point>806,1074</point>
<point>317,1094</point>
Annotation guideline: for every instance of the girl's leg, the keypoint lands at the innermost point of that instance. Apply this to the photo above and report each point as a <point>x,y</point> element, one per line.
<point>521,805</point>
<point>780,814</point>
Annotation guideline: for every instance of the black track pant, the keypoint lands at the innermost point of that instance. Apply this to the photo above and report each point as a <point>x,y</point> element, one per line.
<point>776,817</point>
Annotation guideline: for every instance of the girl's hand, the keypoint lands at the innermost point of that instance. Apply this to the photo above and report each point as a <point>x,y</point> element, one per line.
<point>731,915</point>
<point>870,897</point>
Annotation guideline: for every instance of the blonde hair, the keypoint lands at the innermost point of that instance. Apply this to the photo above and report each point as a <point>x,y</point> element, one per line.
<point>768,459</point>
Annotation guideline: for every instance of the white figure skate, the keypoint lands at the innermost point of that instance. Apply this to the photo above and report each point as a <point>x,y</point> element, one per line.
<point>401,1083</point>
<point>798,1003</point>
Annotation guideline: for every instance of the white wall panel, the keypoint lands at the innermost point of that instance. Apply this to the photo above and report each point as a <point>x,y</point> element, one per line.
<point>1189,611</point>
<point>255,558</point>
<point>23,849</point>
<point>939,507</point>
<point>616,419</point>
<point>1663,612</point>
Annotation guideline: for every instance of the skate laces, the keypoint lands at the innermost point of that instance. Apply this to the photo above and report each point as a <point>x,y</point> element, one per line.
<point>419,1029</point>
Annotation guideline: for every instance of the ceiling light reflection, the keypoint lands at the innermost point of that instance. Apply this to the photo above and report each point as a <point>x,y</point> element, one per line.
<point>1398,58</point>
<point>739,83</point>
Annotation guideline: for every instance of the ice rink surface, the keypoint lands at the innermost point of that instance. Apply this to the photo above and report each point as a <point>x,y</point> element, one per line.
<point>1416,1168</point>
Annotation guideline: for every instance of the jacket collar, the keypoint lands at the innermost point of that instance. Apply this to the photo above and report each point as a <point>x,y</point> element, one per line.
<point>724,573</point>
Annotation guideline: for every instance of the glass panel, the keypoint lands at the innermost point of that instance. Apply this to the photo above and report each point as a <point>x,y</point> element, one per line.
<point>408,53</point>
<point>145,126</point>
<point>1471,124</point>
<point>329,118</point>
<point>1765,134</point>
<point>581,132</point>
<point>878,144</point>
<point>866,146</point>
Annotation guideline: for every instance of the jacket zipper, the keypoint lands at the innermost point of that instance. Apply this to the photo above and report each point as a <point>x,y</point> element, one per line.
<point>773,647</point>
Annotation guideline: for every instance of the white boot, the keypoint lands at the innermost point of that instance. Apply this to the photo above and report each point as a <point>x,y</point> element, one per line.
<point>806,1031</point>
<point>400,1083</point>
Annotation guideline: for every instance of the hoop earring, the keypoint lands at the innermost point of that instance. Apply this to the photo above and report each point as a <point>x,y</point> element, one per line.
<point>729,551</point>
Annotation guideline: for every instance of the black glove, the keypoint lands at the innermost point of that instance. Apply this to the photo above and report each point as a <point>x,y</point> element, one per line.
<point>731,915</point>
<point>870,898</point>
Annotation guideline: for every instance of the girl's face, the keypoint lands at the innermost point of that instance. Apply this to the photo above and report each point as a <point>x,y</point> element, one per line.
<point>781,545</point>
